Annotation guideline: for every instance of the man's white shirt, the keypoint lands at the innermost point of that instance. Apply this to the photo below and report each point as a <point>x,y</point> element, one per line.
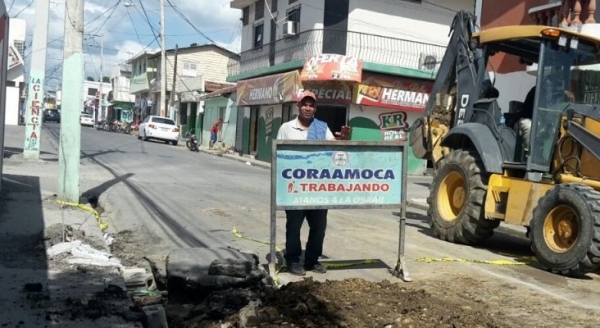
<point>293,130</point>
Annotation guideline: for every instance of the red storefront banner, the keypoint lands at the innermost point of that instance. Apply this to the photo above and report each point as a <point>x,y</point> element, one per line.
<point>268,90</point>
<point>331,92</point>
<point>393,92</point>
<point>327,67</point>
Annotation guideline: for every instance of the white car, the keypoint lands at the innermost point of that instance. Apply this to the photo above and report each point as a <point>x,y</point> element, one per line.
<point>86,120</point>
<point>159,128</point>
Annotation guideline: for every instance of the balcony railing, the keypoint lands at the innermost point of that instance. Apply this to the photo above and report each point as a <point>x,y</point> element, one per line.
<point>565,13</point>
<point>368,47</point>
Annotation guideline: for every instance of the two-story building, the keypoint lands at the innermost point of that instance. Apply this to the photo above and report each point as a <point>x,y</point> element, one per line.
<point>15,76</point>
<point>120,98</point>
<point>200,69</point>
<point>91,98</point>
<point>370,63</point>
<point>143,71</point>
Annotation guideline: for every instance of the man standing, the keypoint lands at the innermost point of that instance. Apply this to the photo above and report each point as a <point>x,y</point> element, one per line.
<point>306,127</point>
<point>214,131</point>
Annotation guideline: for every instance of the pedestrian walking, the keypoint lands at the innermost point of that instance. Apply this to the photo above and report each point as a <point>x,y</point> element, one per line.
<point>214,131</point>
<point>306,127</point>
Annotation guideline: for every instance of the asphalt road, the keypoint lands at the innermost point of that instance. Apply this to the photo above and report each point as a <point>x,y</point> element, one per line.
<point>179,199</point>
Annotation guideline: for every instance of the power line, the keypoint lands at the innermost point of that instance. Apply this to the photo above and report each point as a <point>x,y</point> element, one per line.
<point>102,14</point>
<point>133,24</point>
<point>114,8</point>
<point>11,5</point>
<point>190,23</point>
<point>23,9</point>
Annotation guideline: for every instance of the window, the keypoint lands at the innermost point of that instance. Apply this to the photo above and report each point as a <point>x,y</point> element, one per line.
<point>222,113</point>
<point>273,6</point>
<point>189,69</point>
<point>292,1</point>
<point>163,120</point>
<point>245,16</point>
<point>287,113</point>
<point>293,15</point>
<point>259,10</point>
<point>258,35</point>
<point>20,46</point>
<point>92,92</point>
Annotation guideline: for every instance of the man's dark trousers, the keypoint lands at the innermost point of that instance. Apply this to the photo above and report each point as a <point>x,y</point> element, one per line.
<point>317,222</point>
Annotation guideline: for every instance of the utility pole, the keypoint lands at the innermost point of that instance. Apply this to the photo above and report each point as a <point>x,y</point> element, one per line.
<point>72,97</point>
<point>172,101</point>
<point>100,100</point>
<point>37,77</point>
<point>163,61</point>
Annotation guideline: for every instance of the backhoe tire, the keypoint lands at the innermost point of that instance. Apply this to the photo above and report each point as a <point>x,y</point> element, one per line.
<point>456,200</point>
<point>565,230</point>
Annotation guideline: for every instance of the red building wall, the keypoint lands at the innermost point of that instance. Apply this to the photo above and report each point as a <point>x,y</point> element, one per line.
<point>495,13</point>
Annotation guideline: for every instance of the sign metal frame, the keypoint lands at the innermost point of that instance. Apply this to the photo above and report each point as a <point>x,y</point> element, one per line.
<point>400,269</point>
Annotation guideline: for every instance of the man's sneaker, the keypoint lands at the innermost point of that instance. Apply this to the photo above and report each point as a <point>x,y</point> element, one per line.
<point>296,269</point>
<point>317,267</point>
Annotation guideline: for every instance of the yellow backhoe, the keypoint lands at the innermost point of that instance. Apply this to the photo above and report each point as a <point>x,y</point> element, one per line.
<point>535,164</point>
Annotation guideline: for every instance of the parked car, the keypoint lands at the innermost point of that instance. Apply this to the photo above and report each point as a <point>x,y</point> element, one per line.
<point>159,128</point>
<point>86,120</point>
<point>51,115</point>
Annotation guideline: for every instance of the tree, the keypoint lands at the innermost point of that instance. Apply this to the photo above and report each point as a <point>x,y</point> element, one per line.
<point>106,79</point>
<point>89,78</point>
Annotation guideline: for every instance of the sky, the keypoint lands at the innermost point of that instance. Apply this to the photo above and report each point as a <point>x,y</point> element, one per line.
<point>126,31</point>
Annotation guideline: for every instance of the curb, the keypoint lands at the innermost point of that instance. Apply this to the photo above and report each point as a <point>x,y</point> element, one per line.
<point>240,159</point>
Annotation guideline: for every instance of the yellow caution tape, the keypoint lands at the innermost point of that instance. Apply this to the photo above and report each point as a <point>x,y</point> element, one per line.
<point>101,224</point>
<point>347,264</point>
<point>236,233</point>
<point>492,262</point>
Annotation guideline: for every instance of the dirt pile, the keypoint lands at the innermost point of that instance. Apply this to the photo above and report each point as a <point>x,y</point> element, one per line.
<point>348,303</point>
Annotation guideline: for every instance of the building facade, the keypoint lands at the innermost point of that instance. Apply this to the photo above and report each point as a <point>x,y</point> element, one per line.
<point>15,79</point>
<point>371,65</point>
<point>120,98</point>
<point>196,66</point>
<point>143,71</point>
<point>512,78</point>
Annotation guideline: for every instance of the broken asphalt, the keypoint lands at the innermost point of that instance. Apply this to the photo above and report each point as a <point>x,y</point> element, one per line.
<point>55,266</point>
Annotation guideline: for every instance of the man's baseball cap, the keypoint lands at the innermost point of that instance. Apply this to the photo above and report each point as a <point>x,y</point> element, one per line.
<point>305,94</point>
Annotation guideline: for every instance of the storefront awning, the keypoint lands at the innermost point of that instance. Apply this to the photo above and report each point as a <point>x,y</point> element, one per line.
<point>393,92</point>
<point>269,90</point>
<point>219,93</point>
<point>332,67</point>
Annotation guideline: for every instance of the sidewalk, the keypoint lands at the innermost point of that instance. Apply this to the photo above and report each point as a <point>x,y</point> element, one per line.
<point>41,286</point>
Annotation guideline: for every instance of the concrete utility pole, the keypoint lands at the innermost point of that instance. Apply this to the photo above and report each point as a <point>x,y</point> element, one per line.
<point>163,61</point>
<point>172,110</point>
<point>72,98</point>
<point>37,76</point>
<point>100,102</point>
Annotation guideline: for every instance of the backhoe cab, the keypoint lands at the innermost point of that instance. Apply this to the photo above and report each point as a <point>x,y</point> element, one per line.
<point>540,170</point>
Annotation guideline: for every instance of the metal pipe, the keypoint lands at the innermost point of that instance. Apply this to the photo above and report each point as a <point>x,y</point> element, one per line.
<point>570,179</point>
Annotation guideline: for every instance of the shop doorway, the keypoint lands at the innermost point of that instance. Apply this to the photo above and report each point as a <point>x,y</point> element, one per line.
<point>252,145</point>
<point>335,116</point>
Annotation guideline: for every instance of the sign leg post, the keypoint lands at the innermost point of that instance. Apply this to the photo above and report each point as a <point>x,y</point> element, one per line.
<point>273,257</point>
<point>401,271</point>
